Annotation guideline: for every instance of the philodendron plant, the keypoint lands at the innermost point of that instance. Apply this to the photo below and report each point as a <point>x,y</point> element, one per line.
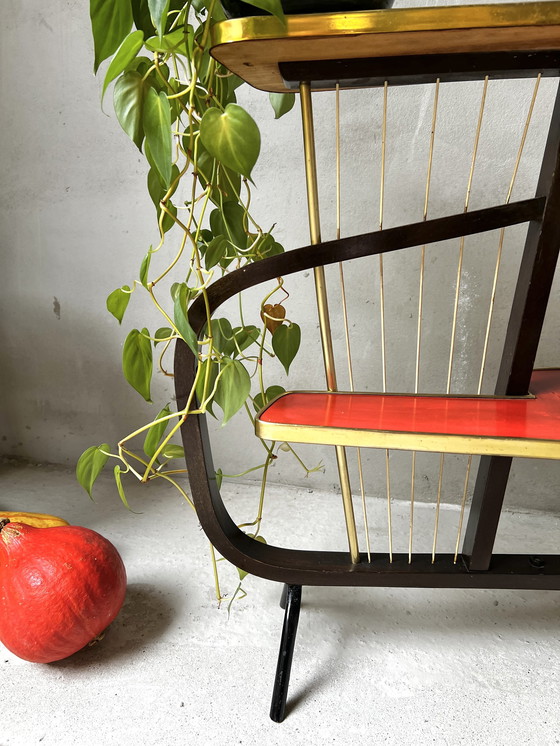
<point>178,105</point>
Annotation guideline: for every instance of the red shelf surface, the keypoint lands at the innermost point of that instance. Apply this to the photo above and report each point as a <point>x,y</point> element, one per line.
<point>356,418</point>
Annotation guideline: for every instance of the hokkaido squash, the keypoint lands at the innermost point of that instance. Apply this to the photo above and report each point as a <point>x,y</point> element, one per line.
<point>60,587</point>
<point>39,520</point>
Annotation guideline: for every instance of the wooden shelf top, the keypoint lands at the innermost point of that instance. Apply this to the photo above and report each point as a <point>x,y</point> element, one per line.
<point>254,47</point>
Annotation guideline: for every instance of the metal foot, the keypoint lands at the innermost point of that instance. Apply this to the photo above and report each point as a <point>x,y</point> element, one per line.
<point>287,643</point>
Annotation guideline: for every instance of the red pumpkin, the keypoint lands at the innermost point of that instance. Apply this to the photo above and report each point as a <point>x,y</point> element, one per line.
<point>60,587</point>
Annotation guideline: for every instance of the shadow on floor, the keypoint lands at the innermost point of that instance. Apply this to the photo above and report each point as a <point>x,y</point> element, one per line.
<point>412,619</point>
<point>143,619</point>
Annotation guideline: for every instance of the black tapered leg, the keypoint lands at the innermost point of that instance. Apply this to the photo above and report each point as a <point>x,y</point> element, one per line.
<point>284,596</point>
<point>292,594</point>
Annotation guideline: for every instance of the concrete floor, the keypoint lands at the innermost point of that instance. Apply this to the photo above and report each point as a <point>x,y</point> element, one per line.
<point>371,666</point>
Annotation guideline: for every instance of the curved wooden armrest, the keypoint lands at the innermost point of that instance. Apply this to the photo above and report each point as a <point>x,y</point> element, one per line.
<point>298,566</point>
<point>366,244</point>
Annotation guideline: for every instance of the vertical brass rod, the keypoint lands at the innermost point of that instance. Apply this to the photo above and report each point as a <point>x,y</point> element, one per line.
<point>322,304</point>
<point>438,505</point>
<point>493,295</point>
<point>462,241</point>
<point>382,310</point>
<point>381,209</point>
<point>456,303</point>
<point>338,163</point>
<point>345,312</point>
<point>420,308</point>
<point>462,512</point>
<point>502,231</point>
<point>383,148</point>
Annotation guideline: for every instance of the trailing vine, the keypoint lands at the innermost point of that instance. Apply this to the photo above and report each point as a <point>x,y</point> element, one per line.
<point>179,107</point>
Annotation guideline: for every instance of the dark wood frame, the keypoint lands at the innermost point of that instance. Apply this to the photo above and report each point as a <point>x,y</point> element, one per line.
<point>478,566</point>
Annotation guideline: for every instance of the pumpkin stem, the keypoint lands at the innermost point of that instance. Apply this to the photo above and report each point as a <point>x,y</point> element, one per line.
<point>4,522</point>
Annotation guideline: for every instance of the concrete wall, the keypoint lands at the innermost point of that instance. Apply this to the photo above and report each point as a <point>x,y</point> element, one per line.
<point>76,222</point>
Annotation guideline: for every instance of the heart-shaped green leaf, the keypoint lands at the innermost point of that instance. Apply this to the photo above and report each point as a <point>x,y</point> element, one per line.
<point>137,361</point>
<point>231,136</point>
<point>271,393</point>
<point>285,343</point>
<point>181,319</point>
<point>222,334</point>
<point>128,102</point>
<point>234,386</point>
<point>157,193</point>
<point>118,301</point>
<point>215,251</point>
<point>226,182</point>
<point>203,393</point>
<point>219,478</point>
<point>158,12</point>
<point>156,433</point>
<point>229,221</point>
<point>120,489</point>
<point>156,189</point>
<point>156,120</point>
<point>282,103</point>
<point>111,20</point>
<point>242,337</point>
<point>175,42</point>
<point>142,17</point>
<point>124,56</point>
<point>230,184</point>
<point>90,464</point>
<point>261,539</point>
<point>144,269</point>
<point>173,451</point>
<point>168,219</point>
<point>162,334</point>
<point>234,217</point>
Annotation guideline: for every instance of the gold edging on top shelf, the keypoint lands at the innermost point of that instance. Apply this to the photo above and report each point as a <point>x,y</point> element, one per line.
<point>255,28</point>
<point>407,441</point>
<point>254,47</point>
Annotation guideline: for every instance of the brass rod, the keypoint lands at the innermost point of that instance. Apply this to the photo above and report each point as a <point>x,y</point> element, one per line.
<point>382,309</point>
<point>463,503</point>
<point>438,505</point>
<point>381,208</point>
<point>322,304</point>
<point>456,303</point>
<point>524,136</point>
<point>383,146</point>
<point>338,169</point>
<point>462,240</point>
<point>412,496</point>
<point>420,312</point>
<point>420,308</point>
<point>310,164</point>
<point>503,230</point>
<point>345,312</point>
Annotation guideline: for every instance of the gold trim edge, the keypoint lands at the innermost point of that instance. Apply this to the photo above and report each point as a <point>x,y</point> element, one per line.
<point>255,28</point>
<point>405,441</point>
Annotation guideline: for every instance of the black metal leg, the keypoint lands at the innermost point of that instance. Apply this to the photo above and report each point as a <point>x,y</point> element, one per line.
<point>284,596</point>
<point>287,643</point>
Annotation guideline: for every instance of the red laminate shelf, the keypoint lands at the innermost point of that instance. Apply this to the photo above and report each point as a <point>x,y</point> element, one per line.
<point>482,425</point>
